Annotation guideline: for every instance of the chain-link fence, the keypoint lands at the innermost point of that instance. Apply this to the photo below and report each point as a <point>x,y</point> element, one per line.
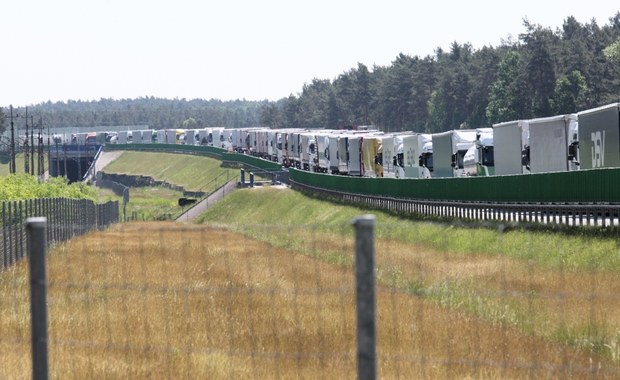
<point>66,218</point>
<point>171,300</point>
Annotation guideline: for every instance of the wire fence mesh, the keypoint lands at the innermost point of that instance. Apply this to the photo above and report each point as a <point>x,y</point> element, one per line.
<point>66,218</point>
<point>170,300</point>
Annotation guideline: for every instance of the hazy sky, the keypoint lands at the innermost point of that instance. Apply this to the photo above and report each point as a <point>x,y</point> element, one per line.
<point>233,49</point>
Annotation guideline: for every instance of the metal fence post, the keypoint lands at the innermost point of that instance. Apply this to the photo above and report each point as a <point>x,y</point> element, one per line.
<point>19,238</point>
<point>10,251</point>
<point>365,297</point>
<point>53,204</point>
<point>5,251</point>
<point>37,247</point>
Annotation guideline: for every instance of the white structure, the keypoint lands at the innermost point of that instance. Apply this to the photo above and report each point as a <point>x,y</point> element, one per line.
<point>409,149</point>
<point>171,136</point>
<point>551,139</point>
<point>147,136</point>
<point>449,150</point>
<point>479,159</point>
<point>510,140</point>
<point>122,137</point>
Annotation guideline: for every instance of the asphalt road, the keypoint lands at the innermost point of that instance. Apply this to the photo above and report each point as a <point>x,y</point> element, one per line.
<point>200,207</point>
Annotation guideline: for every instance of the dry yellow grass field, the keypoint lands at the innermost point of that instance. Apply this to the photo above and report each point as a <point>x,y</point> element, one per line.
<point>162,300</point>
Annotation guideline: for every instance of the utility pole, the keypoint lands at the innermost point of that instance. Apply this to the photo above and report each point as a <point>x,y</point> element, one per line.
<point>26,149</point>
<point>49,149</point>
<point>41,167</point>
<point>40,164</point>
<point>12,163</point>
<point>64,147</point>
<point>32,145</point>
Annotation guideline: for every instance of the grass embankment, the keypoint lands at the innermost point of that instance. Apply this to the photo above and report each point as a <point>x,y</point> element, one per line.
<point>195,173</point>
<point>146,203</point>
<point>19,163</point>
<point>562,289</point>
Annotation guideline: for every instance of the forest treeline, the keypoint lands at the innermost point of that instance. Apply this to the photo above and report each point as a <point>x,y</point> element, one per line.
<point>156,113</point>
<point>543,72</point>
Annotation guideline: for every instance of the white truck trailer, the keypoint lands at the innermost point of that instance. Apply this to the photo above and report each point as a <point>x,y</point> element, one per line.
<point>409,149</point>
<point>122,137</point>
<point>371,163</point>
<point>354,152</point>
<point>171,136</point>
<point>388,156</point>
<point>322,146</point>
<point>146,136</point>
<point>511,141</point>
<point>217,137</point>
<point>332,152</point>
<point>449,150</point>
<point>552,139</point>
<point>271,145</point>
<point>203,136</point>
<point>599,137</point>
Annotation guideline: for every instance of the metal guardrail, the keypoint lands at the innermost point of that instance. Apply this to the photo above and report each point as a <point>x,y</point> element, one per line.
<point>202,150</point>
<point>574,215</point>
<point>214,195</point>
<point>91,170</point>
<point>210,188</point>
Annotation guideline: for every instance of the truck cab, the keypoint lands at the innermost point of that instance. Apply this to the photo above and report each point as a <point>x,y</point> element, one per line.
<point>426,160</point>
<point>479,158</point>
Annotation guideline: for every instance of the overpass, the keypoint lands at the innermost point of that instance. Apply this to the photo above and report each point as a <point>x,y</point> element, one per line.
<point>71,160</point>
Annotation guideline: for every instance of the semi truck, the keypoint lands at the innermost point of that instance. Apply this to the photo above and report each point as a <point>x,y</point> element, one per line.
<point>409,151</point>
<point>554,144</point>
<point>371,150</point>
<point>388,155</point>
<point>599,137</point>
<point>479,159</point>
<point>449,150</point>
<point>511,140</point>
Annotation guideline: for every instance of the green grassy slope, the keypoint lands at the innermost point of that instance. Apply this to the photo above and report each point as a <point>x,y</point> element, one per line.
<point>192,172</point>
<point>280,207</point>
<point>19,163</point>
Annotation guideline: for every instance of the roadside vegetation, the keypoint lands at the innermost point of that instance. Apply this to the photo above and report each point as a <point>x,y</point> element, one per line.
<point>19,163</point>
<point>560,288</point>
<point>206,302</point>
<point>195,173</point>
<point>25,186</point>
<point>146,203</point>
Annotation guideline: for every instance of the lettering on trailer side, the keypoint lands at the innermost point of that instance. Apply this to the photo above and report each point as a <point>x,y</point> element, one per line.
<point>410,158</point>
<point>387,159</point>
<point>598,149</point>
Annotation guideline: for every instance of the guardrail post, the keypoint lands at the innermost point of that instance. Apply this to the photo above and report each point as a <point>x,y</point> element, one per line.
<point>37,247</point>
<point>365,297</point>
